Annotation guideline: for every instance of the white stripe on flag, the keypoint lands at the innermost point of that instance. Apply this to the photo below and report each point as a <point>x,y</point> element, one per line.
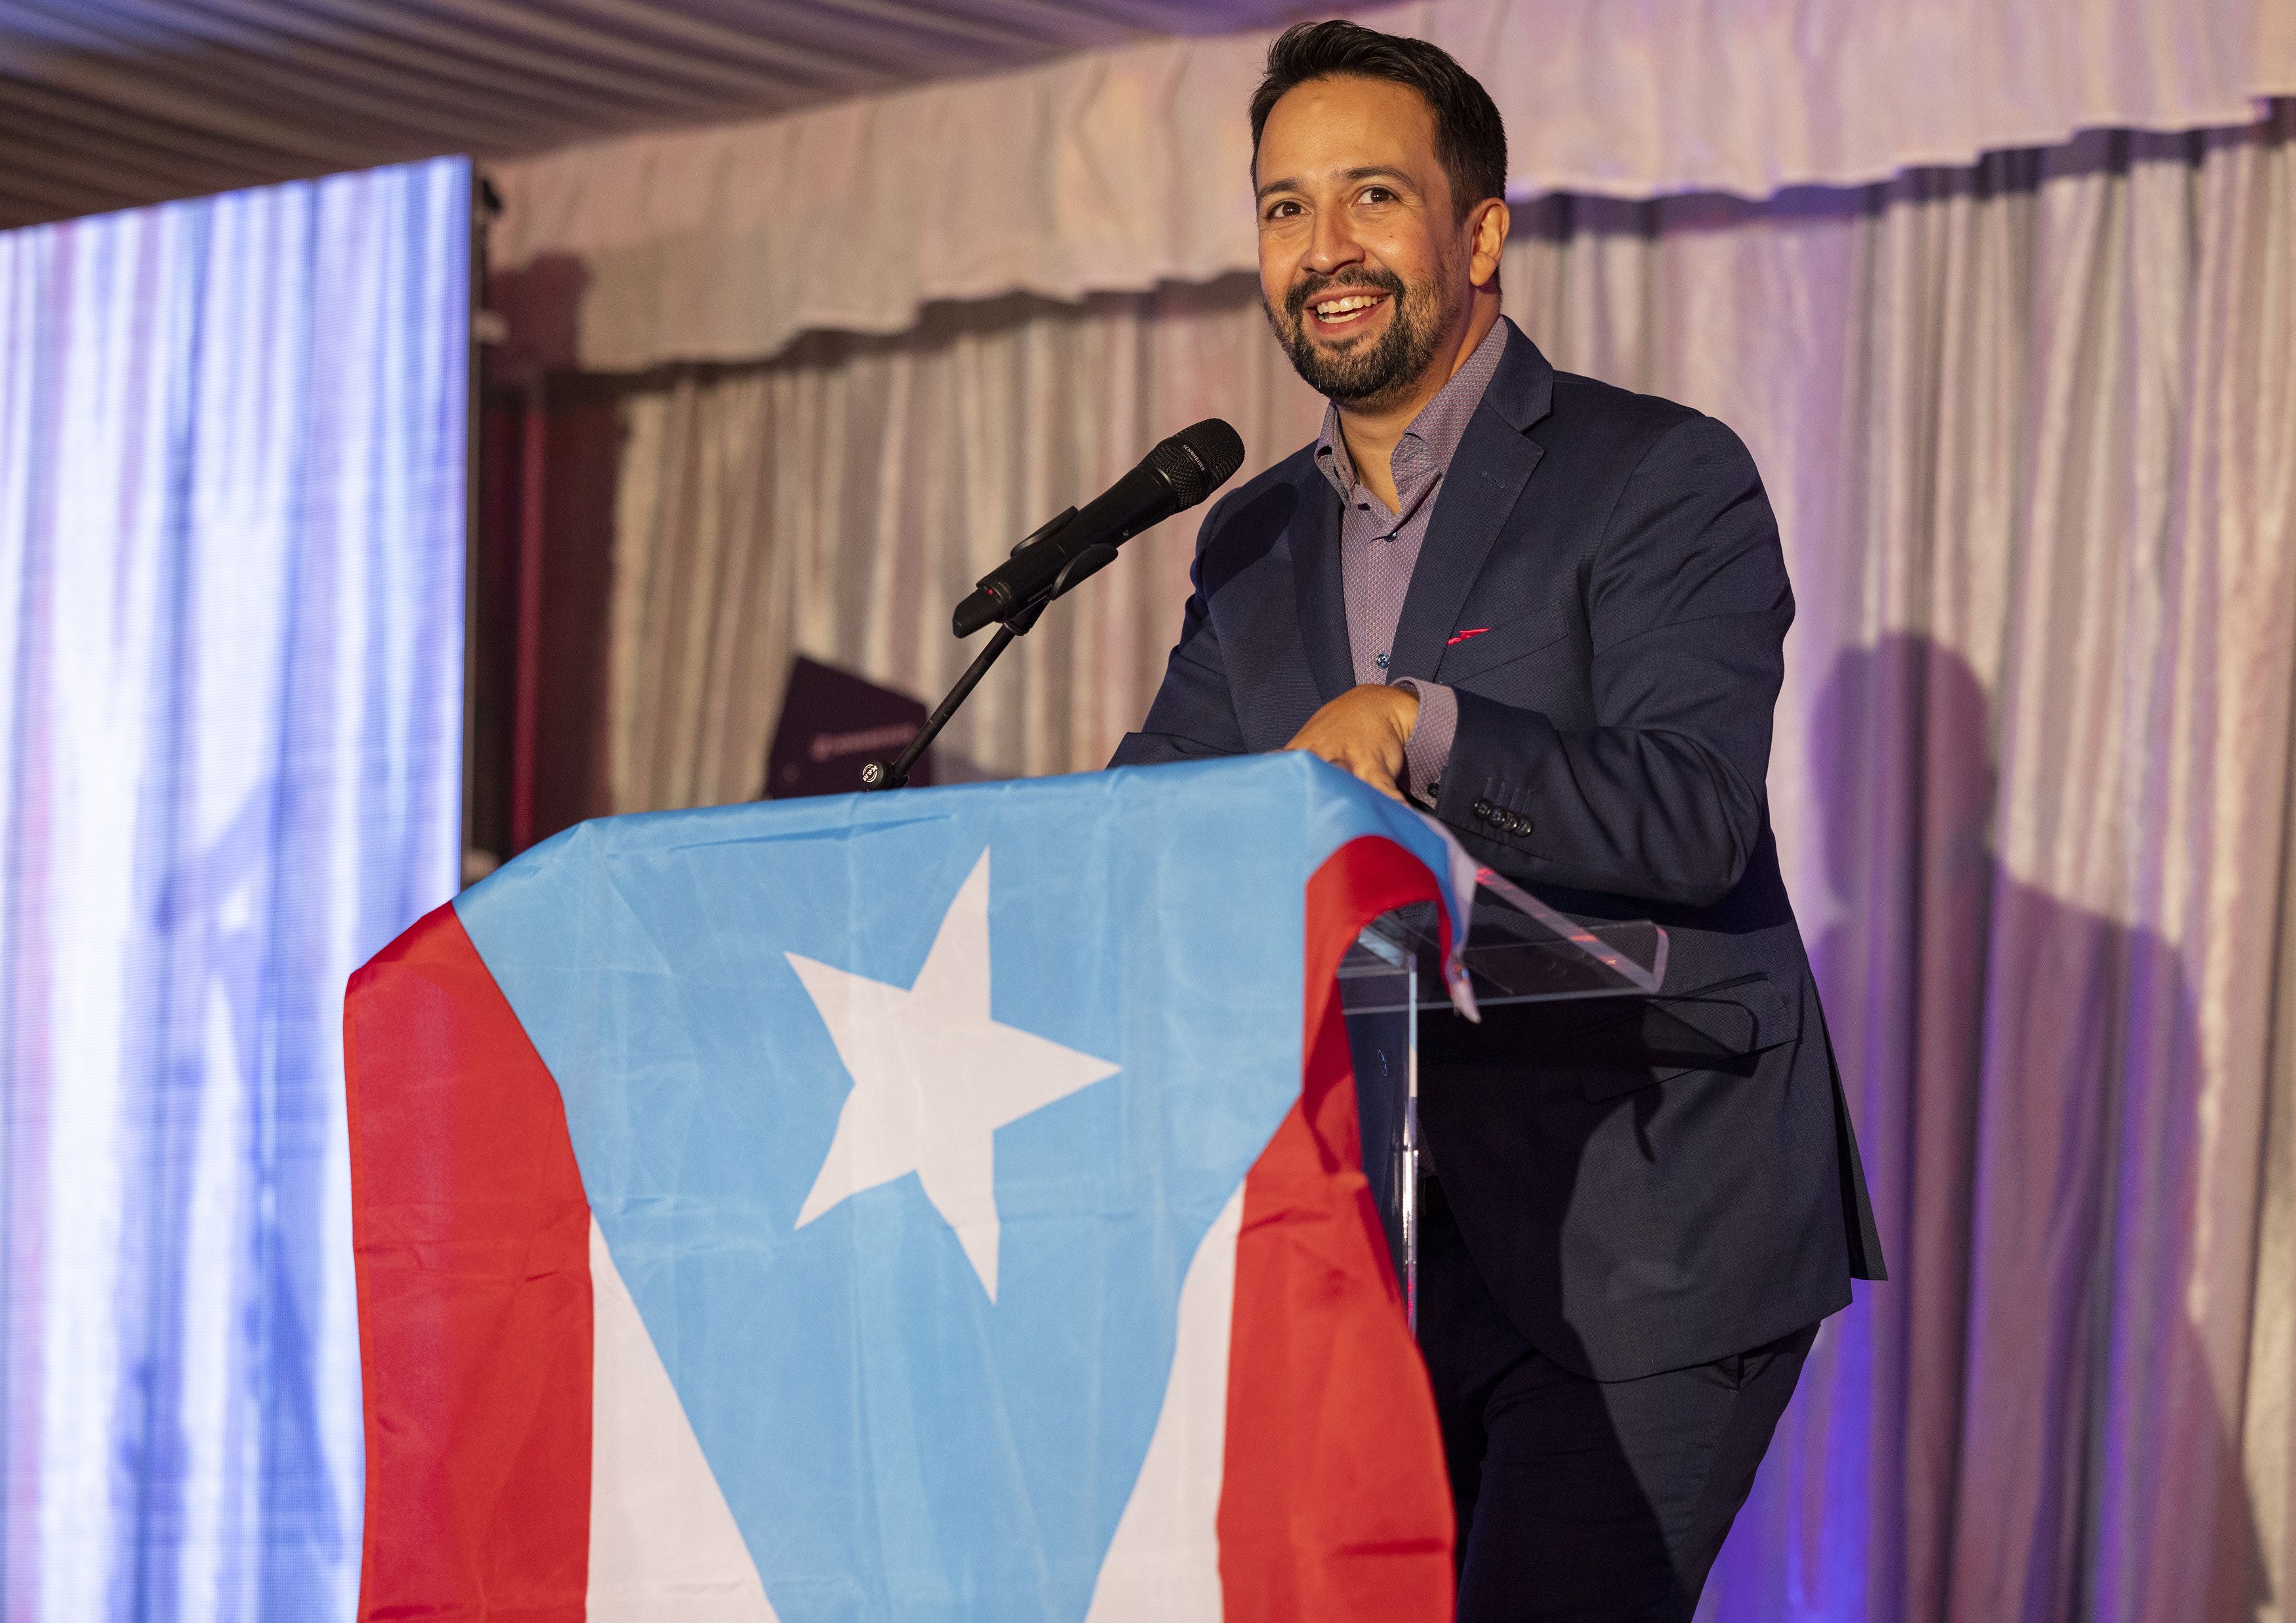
<point>1163,1565</point>
<point>663,1544</point>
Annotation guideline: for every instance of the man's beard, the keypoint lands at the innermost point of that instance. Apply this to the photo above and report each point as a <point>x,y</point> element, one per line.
<point>1362,375</point>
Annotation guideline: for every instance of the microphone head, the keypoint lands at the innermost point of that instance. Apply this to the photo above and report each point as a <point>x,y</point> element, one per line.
<point>1198,460</point>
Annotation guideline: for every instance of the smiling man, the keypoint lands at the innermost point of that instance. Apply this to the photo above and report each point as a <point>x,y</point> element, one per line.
<point>1553,613</point>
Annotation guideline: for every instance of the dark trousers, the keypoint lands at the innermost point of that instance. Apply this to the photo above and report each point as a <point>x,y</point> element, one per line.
<point>1596,1502</point>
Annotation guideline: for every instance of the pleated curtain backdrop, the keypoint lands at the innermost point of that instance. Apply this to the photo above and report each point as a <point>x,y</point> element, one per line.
<point>2031,430</point>
<point>839,502</point>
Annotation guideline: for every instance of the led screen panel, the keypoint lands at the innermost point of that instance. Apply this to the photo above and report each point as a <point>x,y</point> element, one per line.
<point>233,468</point>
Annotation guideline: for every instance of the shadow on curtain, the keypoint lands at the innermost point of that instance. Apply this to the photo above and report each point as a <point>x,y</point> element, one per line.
<point>2022,1424</point>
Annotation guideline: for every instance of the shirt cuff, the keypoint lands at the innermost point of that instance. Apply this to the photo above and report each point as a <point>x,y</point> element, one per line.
<point>1428,750</point>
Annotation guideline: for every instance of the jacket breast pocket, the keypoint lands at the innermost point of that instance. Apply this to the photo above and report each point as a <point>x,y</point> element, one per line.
<point>1518,639</point>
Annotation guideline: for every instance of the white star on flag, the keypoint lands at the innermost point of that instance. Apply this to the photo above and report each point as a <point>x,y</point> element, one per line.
<point>934,1077</point>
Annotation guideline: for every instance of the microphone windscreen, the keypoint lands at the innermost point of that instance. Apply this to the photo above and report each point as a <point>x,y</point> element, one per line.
<point>1198,460</point>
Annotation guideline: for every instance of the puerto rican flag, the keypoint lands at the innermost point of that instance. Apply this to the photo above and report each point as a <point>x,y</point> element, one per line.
<point>941,1205</point>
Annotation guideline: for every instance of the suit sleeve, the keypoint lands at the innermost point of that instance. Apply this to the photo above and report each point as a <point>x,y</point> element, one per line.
<point>1194,715</point>
<point>1687,607</point>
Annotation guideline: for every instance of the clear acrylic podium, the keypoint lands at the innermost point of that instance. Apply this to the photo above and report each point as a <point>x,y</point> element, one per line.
<point>1519,950</point>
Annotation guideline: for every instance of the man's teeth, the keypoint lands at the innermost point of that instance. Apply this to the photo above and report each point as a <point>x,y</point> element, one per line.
<point>1342,306</point>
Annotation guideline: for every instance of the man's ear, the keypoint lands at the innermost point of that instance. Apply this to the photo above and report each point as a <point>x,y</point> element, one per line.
<point>1487,241</point>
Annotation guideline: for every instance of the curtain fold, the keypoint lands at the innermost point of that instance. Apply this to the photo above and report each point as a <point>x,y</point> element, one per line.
<point>2030,430</point>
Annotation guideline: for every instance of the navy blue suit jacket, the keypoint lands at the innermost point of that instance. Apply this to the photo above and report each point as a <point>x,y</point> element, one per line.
<point>1645,1184</point>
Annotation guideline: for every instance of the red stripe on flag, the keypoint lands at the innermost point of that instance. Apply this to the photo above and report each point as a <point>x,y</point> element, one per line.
<point>471,1237</point>
<point>1334,1503</point>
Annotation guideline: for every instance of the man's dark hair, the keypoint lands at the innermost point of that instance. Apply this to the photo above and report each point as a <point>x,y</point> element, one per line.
<point>1470,139</point>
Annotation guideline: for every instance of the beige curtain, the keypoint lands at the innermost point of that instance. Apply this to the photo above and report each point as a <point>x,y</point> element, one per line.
<point>1124,168</point>
<point>2030,430</point>
<point>839,502</point>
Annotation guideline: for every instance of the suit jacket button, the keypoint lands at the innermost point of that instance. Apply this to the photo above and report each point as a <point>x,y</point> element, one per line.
<point>1481,809</point>
<point>1520,825</point>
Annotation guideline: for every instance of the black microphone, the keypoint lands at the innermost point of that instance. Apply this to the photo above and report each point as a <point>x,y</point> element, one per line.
<point>1171,479</point>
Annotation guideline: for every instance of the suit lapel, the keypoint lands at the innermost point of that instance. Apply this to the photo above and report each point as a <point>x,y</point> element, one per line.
<point>1486,480</point>
<point>1493,463</point>
<point>1316,574</point>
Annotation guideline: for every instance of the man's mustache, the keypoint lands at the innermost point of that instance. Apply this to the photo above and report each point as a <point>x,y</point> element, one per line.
<point>1306,293</point>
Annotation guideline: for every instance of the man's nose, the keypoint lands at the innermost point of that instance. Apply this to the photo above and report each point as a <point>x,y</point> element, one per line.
<point>1334,246</point>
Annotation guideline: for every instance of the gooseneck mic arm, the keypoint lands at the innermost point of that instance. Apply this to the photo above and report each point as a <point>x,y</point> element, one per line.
<point>895,774</point>
<point>1173,478</point>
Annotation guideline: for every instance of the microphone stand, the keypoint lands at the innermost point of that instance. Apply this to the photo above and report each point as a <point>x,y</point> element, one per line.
<point>895,774</point>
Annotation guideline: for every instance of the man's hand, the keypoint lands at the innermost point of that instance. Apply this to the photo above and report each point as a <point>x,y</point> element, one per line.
<point>1364,731</point>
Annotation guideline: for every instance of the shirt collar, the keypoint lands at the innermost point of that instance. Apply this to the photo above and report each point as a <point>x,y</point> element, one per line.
<point>1438,427</point>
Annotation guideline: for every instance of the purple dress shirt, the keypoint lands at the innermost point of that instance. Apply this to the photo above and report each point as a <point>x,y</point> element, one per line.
<point>1379,547</point>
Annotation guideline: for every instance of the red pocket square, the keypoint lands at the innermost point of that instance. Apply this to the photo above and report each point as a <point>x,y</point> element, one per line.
<point>1458,637</point>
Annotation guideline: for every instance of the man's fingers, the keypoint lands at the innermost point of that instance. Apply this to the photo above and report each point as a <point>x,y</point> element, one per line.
<point>1349,756</point>
<point>1382,767</point>
<point>1358,739</point>
<point>1371,769</point>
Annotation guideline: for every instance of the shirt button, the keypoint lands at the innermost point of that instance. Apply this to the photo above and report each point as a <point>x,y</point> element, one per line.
<point>1382,661</point>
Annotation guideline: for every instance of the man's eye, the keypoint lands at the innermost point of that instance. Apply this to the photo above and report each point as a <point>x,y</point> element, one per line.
<point>1378,194</point>
<point>1283,210</point>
